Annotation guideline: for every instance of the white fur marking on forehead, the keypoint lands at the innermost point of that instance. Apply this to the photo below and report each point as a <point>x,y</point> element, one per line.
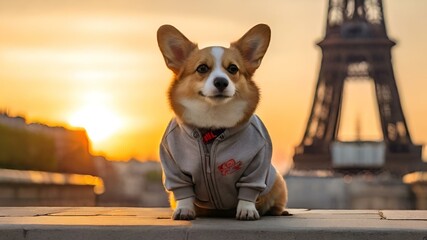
<point>217,71</point>
<point>217,52</point>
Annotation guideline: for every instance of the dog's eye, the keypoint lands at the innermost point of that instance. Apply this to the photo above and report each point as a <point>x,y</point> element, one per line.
<point>233,69</point>
<point>202,68</point>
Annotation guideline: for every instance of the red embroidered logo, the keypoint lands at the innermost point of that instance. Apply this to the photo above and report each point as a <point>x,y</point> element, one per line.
<point>229,167</point>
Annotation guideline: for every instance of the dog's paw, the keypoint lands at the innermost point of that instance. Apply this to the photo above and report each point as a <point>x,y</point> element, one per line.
<point>185,209</point>
<point>184,214</point>
<point>246,211</point>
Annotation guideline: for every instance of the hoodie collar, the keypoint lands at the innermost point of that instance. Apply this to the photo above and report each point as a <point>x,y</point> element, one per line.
<point>195,132</point>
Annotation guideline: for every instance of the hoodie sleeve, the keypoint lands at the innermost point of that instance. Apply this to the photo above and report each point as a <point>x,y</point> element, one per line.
<point>255,177</point>
<point>253,180</point>
<point>174,179</point>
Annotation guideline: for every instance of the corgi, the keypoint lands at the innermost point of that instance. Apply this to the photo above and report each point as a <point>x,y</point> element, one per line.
<point>216,153</point>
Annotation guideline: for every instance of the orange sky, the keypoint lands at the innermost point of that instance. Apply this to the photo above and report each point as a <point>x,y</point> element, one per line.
<point>78,62</point>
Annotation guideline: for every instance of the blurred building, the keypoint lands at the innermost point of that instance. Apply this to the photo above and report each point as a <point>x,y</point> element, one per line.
<point>37,188</point>
<point>332,190</point>
<point>131,183</point>
<point>35,146</point>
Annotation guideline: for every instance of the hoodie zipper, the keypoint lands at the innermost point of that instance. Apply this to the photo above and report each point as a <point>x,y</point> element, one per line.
<point>209,174</point>
<point>208,165</point>
<point>215,193</point>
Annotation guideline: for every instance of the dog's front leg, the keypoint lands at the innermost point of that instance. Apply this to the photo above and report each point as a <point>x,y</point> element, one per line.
<point>246,211</point>
<point>185,209</point>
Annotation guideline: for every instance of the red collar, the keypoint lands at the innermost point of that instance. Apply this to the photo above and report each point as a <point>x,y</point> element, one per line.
<point>210,135</point>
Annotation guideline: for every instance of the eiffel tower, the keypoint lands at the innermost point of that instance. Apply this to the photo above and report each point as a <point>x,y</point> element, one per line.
<point>356,46</point>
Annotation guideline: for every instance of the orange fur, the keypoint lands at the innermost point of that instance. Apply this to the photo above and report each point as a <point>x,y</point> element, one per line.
<point>274,202</point>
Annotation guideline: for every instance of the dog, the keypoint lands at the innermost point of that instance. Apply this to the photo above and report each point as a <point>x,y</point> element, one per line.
<point>216,153</point>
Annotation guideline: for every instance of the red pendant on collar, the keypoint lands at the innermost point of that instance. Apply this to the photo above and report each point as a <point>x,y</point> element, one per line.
<point>208,137</point>
<point>211,135</point>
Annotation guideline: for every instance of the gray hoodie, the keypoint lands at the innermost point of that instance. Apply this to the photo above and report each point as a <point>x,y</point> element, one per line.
<point>237,165</point>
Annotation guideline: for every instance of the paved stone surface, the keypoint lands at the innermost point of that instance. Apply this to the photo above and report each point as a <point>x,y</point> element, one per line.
<point>404,215</point>
<point>154,223</point>
<point>29,211</point>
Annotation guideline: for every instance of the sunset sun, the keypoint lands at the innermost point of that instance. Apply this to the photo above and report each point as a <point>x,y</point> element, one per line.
<point>100,122</point>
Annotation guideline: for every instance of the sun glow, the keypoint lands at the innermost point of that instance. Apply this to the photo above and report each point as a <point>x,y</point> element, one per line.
<point>100,122</point>
<point>97,117</point>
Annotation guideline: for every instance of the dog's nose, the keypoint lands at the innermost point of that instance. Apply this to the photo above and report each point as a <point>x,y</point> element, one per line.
<point>220,83</point>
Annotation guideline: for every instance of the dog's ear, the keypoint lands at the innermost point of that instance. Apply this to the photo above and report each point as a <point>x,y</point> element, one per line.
<point>253,46</point>
<point>174,46</point>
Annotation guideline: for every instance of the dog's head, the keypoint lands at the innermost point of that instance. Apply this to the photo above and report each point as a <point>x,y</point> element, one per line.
<point>213,87</point>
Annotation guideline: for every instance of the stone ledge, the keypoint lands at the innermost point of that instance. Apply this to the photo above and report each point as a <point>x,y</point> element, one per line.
<point>154,223</point>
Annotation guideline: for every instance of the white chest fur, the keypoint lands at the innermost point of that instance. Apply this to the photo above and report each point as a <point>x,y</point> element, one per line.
<point>205,115</point>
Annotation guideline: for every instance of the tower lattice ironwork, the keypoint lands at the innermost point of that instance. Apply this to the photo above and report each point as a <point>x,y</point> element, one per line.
<point>356,46</point>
